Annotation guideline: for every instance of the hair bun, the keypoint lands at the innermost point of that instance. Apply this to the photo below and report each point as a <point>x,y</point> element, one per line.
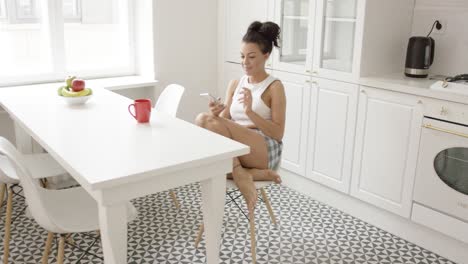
<point>255,26</point>
<point>264,34</point>
<point>271,31</point>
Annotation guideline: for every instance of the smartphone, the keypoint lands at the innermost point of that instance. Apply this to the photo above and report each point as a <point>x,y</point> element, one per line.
<point>208,95</point>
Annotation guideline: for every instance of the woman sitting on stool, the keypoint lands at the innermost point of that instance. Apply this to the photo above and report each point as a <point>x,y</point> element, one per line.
<point>253,113</point>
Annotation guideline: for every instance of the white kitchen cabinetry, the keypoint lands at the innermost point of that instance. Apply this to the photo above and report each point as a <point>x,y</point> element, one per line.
<point>338,31</point>
<point>331,133</point>
<point>386,147</point>
<point>321,37</point>
<point>296,20</point>
<point>297,88</point>
<point>239,14</point>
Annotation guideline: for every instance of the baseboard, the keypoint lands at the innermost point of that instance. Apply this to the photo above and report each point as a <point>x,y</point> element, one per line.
<point>422,236</point>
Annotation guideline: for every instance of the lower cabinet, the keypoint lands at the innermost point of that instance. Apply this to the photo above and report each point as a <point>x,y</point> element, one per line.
<point>386,146</point>
<point>331,133</point>
<point>297,88</point>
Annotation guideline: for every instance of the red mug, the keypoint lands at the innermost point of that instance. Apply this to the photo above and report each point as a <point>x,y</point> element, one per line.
<point>142,110</point>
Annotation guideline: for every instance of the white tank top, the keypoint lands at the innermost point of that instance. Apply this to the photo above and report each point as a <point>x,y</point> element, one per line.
<point>258,106</point>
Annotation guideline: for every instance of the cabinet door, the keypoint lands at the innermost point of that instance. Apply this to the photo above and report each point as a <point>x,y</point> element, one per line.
<point>297,88</point>
<point>331,133</point>
<point>387,141</point>
<point>296,19</point>
<point>239,14</point>
<point>338,23</point>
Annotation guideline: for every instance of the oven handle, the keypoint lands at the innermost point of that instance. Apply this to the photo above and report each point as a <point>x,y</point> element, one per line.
<point>445,130</point>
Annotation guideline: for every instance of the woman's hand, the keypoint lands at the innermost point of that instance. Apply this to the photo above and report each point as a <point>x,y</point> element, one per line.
<point>246,100</point>
<point>216,107</point>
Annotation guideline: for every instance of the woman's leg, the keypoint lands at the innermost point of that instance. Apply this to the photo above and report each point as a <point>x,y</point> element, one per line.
<point>257,158</point>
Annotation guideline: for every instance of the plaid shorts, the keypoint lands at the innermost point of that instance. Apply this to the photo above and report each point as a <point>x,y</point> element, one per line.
<point>274,150</point>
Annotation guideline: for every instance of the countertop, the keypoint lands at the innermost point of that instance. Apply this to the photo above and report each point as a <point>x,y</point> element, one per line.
<point>400,83</point>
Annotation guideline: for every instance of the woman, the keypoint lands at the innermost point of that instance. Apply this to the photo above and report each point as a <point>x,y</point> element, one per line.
<point>253,113</point>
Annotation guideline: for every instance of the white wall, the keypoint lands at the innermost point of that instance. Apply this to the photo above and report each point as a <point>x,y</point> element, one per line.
<point>186,50</point>
<point>451,49</point>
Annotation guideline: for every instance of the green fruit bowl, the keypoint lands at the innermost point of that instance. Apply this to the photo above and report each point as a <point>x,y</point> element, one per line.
<point>76,100</point>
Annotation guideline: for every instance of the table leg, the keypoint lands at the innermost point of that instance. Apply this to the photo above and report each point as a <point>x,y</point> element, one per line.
<point>213,195</point>
<point>113,226</point>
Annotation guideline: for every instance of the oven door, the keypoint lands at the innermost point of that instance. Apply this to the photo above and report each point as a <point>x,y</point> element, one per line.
<point>442,171</point>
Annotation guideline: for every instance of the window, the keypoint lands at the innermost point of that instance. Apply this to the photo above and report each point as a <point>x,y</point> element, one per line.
<point>88,38</point>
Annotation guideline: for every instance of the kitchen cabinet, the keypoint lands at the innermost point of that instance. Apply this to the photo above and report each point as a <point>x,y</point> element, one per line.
<point>386,146</point>
<point>322,38</point>
<point>296,20</point>
<point>239,15</point>
<point>338,31</point>
<point>331,133</point>
<point>297,88</point>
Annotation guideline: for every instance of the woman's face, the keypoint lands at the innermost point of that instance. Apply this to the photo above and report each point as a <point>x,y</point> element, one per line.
<point>252,58</point>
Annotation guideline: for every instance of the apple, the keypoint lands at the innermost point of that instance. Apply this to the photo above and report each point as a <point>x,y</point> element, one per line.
<point>69,80</point>
<point>77,85</point>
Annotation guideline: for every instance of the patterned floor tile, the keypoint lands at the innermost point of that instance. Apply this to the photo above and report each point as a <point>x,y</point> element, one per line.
<point>307,232</point>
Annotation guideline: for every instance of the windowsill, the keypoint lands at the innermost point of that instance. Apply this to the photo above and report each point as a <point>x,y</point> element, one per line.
<point>111,84</point>
<point>120,83</point>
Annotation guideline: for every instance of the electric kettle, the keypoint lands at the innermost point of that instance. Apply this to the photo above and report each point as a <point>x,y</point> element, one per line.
<point>419,56</point>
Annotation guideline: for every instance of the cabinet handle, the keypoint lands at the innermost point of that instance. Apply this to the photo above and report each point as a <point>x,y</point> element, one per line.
<point>363,91</point>
<point>420,102</point>
<point>445,130</point>
<point>314,82</point>
<point>307,71</point>
<point>314,72</point>
<point>307,81</point>
<point>443,111</point>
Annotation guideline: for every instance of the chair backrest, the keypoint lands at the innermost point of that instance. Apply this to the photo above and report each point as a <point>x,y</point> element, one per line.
<point>7,171</point>
<point>168,101</point>
<point>32,190</point>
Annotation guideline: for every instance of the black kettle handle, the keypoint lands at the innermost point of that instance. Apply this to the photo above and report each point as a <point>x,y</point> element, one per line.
<point>432,48</point>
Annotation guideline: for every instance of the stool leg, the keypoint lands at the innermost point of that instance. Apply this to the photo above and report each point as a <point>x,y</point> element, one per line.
<point>2,194</point>
<point>174,199</point>
<point>45,255</point>
<point>268,205</point>
<point>253,244</point>
<point>199,235</point>
<point>6,241</point>
<point>61,249</point>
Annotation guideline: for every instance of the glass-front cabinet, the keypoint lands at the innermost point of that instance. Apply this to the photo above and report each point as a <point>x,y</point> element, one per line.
<point>335,30</point>
<point>296,20</point>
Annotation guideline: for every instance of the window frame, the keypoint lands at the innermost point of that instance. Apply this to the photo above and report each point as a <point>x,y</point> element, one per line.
<point>53,24</point>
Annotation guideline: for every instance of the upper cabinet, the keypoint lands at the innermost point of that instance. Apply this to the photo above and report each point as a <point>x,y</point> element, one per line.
<point>320,37</point>
<point>296,20</point>
<point>239,14</point>
<point>338,30</point>
<point>340,40</point>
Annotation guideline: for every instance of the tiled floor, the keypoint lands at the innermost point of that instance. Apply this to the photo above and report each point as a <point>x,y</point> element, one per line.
<point>307,232</point>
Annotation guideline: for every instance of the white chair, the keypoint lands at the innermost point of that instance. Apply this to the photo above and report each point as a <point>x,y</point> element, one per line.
<point>168,102</point>
<point>41,165</point>
<point>231,187</point>
<point>58,211</point>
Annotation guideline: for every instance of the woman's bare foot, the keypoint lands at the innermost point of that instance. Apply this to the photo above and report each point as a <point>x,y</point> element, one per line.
<point>265,175</point>
<point>244,182</point>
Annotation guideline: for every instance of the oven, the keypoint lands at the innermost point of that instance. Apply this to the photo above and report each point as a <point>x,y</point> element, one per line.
<point>442,170</point>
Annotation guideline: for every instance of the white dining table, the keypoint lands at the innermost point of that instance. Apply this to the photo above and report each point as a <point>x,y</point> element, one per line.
<point>115,159</point>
